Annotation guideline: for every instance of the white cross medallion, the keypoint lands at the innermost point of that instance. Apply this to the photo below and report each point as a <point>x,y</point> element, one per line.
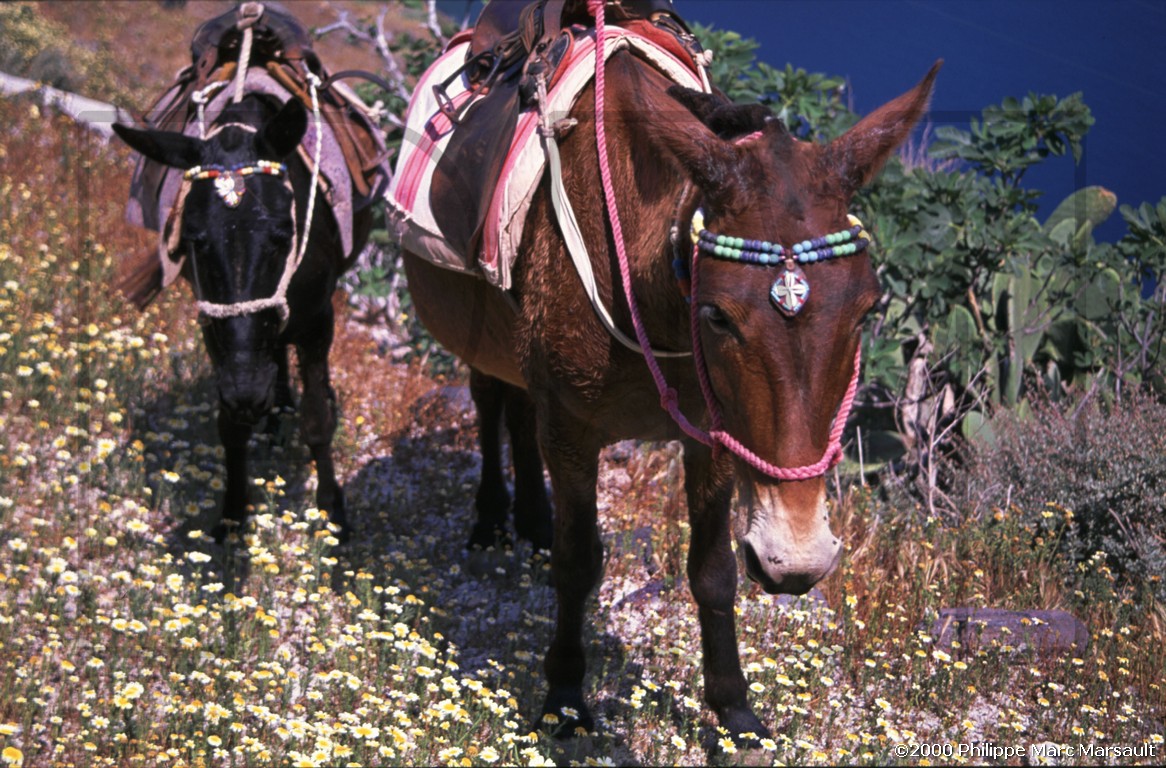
<point>230,188</point>
<point>790,291</point>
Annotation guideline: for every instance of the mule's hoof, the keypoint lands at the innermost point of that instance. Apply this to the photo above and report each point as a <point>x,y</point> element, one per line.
<point>342,535</point>
<point>539,532</point>
<point>484,536</point>
<point>331,502</point>
<point>226,532</point>
<point>565,715</point>
<point>280,426</point>
<point>743,727</point>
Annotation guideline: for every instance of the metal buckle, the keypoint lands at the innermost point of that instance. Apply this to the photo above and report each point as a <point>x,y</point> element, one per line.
<point>445,104</point>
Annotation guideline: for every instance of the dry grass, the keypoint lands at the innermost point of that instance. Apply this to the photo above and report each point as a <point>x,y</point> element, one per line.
<point>127,637</point>
<point>140,45</point>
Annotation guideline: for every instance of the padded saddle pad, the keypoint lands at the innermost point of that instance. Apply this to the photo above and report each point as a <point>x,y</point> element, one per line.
<point>495,212</point>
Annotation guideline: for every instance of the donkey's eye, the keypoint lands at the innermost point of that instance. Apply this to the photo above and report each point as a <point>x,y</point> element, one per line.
<point>715,318</point>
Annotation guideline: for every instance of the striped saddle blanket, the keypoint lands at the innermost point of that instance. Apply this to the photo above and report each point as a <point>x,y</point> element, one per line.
<point>415,203</point>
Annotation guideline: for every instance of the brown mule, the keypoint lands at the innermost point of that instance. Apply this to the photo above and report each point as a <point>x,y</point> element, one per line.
<point>778,380</point>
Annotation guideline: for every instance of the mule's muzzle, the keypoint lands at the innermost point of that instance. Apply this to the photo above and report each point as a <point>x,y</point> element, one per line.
<point>247,391</point>
<point>791,582</point>
<point>783,537</point>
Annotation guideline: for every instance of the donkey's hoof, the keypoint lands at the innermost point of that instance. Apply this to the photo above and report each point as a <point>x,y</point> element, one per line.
<point>565,715</point>
<point>537,528</point>
<point>743,727</point>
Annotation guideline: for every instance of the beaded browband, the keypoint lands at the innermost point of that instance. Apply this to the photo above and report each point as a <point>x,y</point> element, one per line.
<point>229,181</point>
<point>791,290</point>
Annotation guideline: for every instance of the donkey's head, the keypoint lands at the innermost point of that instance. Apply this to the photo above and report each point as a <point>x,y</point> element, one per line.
<point>237,231</point>
<point>779,327</point>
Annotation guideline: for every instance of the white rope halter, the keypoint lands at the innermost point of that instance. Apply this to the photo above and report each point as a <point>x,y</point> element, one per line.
<point>278,300</point>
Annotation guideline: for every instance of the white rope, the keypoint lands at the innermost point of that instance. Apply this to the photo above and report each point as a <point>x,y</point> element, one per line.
<point>278,300</point>
<point>202,98</point>
<point>248,14</point>
<point>244,60</point>
<point>313,84</point>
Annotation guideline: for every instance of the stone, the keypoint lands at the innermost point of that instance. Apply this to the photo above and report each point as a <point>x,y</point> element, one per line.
<point>1046,632</point>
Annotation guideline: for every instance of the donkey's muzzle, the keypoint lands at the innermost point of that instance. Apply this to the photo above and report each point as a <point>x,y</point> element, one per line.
<point>789,582</point>
<point>247,390</point>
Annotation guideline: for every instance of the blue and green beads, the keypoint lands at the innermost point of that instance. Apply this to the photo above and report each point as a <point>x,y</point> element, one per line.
<point>843,243</point>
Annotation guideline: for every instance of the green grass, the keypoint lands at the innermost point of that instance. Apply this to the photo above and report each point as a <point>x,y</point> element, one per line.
<point>128,638</point>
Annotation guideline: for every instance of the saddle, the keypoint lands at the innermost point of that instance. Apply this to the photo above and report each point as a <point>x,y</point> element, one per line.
<point>279,63</point>
<point>283,47</point>
<point>513,43</point>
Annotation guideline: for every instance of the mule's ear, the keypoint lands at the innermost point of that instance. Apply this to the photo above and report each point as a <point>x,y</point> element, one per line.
<point>697,102</point>
<point>711,162</point>
<point>281,134</point>
<point>860,153</point>
<point>723,117</point>
<point>166,147</point>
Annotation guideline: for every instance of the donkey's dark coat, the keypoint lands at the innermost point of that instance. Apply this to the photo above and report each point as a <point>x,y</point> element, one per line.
<point>238,254</point>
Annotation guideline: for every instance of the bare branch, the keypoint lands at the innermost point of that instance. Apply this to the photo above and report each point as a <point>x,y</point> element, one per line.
<point>377,39</point>
<point>431,22</point>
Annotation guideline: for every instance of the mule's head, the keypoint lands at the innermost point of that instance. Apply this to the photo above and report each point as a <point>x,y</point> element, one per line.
<point>779,378</point>
<point>237,233</point>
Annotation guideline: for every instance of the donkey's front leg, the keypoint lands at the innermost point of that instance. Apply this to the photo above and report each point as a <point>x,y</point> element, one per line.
<point>318,422</point>
<point>234,436</point>
<point>712,577</point>
<point>572,457</point>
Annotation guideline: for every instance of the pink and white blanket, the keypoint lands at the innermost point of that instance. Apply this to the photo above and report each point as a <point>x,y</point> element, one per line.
<point>428,130</point>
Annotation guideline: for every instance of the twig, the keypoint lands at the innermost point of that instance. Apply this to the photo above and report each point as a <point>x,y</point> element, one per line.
<point>431,22</point>
<point>379,41</point>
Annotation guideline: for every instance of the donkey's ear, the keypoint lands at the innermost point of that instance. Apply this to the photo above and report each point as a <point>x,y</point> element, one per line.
<point>282,133</point>
<point>723,117</point>
<point>859,154</point>
<point>166,147</point>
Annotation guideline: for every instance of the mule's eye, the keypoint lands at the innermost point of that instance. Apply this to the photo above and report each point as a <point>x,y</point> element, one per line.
<point>716,319</point>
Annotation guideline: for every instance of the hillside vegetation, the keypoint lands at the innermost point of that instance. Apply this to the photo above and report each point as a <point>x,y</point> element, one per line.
<point>127,637</point>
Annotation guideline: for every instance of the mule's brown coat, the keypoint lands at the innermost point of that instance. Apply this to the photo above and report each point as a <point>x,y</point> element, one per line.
<point>778,380</point>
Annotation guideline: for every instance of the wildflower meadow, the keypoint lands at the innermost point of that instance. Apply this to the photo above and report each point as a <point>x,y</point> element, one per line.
<point>128,637</point>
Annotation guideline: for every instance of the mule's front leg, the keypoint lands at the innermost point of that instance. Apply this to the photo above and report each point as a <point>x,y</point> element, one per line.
<point>318,423</point>
<point>576,563</point>
<point>712,577</point>
<point>234,436</point>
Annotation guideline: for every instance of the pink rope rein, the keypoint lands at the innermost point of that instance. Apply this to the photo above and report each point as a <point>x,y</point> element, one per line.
<point>669,399</point>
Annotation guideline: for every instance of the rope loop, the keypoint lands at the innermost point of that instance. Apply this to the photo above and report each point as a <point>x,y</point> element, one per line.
<point>670,400</point>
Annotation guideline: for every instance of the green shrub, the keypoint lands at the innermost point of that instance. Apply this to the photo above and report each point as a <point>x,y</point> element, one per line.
<point>30,47</point>
<point>1105,466</point>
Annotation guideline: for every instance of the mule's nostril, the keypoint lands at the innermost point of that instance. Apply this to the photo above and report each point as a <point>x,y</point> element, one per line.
<point>752,564</point>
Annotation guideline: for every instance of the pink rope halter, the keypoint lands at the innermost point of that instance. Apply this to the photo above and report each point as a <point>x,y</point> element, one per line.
<point>669,399</point>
